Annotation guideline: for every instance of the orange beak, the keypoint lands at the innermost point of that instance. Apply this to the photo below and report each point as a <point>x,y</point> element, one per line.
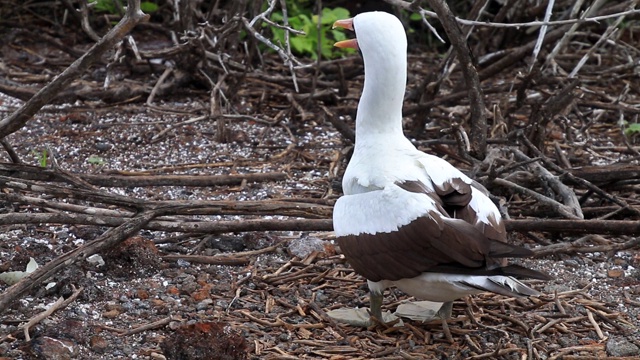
<point>345,44</point>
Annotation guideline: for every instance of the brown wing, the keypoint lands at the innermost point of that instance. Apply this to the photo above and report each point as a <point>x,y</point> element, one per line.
<point>434,242</point>
<point>428,244</point>
<point>454,196</point>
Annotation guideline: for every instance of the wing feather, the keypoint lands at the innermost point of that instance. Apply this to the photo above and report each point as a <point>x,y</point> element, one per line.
<point>382,245</point>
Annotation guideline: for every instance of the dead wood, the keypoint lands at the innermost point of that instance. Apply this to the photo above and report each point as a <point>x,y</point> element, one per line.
<point>184,226</point>
<point>279,302</point>
<point>546,202</point>
<point>574,179</point>
<point>571,205</point>
<point>512,56</point>
<point>613,227</point>
<point>133,179</point>
<point>211,260</point>
<point>544,113</point>
<point>305,208</point>
<point>607,174</point>
<point>577,248</point>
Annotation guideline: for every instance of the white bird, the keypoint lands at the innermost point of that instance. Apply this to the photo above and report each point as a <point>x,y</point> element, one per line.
<point>410,219</point>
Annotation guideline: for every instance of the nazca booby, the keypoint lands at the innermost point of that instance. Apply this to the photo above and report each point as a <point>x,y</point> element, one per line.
<point>409,219</point>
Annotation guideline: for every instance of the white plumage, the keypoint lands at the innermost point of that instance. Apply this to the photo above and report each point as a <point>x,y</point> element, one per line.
<point>410,219</point>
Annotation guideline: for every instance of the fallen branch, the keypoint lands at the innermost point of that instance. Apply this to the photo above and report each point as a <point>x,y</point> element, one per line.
<point>197,227</point>
<point>574,179</point>
<point>612,227</point>
<point>569,199</point>
<point>29,172</point>
<point>154,325</point>
<point>557,207</point>
<point>581,246</point>
<point>571,248</point>
<point>294,208</point>
<point>211,260</point>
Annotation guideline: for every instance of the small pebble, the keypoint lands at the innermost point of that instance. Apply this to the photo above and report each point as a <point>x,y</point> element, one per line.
<point>622,347</point>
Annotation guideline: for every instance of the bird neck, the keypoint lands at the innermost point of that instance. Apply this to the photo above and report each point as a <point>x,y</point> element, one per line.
<point>380,107</point>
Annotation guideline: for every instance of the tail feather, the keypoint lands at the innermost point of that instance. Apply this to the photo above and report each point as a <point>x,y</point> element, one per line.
<point>523,272</point>
<point>499,249</point>
<point>503,285</point>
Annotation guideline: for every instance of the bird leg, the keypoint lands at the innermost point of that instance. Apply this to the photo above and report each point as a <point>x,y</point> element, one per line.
<point>445,314</point>
<point>363,317</point>
<point>375,308</point>
<point>376,318</point>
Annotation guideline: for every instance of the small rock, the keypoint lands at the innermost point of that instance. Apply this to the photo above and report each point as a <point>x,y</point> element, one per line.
<point>571,263</point>
<point>143,294</point>
<point>304,246</point>
<point>111,314</point>
<point>103,146</point>
<point>189,287</point>
<point>98,344</point>
<point>204,304</point>
<point>183,263</point>
<point>202,293</point>
<point>615,273</point>
<point>226,243</point>
<point>622,347</point>
<point>157,356</point>
<point>49,348</point>
<point>619,261</point>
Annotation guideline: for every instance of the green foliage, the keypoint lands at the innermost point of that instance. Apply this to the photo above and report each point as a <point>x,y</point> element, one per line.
<point>43,157</point>
<point>632,129</point>
<point>148,7</point>
<point>106,6</point>
<point>95,160</point>
<point>415,16</point>
<point>304,19</point>
<point>109,6</point>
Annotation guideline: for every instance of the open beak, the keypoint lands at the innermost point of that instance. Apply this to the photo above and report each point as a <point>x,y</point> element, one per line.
<point>348,44</point>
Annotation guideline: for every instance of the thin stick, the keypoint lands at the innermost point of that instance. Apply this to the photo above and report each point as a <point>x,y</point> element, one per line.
<point>154,325</point>
<point>61,303</point>
<point>543,31</point>
<point>595,325</point>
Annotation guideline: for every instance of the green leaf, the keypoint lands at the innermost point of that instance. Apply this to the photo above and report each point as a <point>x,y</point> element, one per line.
<point>277,16</point>
<point>415,17</point>
<point>95,160</point>
<point>107,6</point>
<point>301,17</point>
<point>148,7</point>
<point>42,158</point>
<point>302,45</point>
<point>632,129</point>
